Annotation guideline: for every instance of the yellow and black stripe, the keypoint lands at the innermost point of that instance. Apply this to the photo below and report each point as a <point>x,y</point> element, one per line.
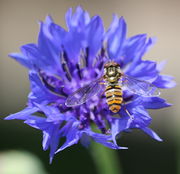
<point>114,98</point>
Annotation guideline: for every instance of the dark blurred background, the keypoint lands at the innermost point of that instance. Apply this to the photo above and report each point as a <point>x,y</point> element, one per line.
<point>19,25</point>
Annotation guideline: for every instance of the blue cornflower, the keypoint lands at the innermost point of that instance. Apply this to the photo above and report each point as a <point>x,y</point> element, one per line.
<point>64,60</point>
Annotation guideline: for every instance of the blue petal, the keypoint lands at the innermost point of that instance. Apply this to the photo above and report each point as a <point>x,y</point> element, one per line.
<point>68,17</point>
<point>151,133</point>
<point>141,121</point>
<point>40,60</point>
<point>57,37</point>
<point>23,60</point>
<point>135,48</point>
<point>72,49</point>
<point>161,65</point>
<point>46,140</point>
<point>79,18</point>
<point>114,25</point>
<point>49,50</point>
<point>164,81</point>
<point>103,139</point>
<point>145,70</point>
<point>71,132</point>
<point>116,40</point>
<point>23,115</point>
<point>47,129</point>
<point>53,114</point>
<point>50,133</point>
<point>95,31</point>
<point>49,20</point>
<point>154,103</point>
<point>34,55</point>
<point>54,141</point>
<point>141,117</point>
<point>37,122</point>
<point>150,42</point>
<point>76,24</point>
<point>39,92</point>
<point>52,35</point>
<point>118,125</point>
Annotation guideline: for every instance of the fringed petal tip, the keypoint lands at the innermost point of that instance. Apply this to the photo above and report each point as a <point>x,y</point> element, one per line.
<point>152,134</point>
<point>10,117</point>
<point>122,148</point>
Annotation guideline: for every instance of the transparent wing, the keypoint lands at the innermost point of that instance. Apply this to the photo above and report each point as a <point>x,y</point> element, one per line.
<point>139,87</point>
<point>83,94</point>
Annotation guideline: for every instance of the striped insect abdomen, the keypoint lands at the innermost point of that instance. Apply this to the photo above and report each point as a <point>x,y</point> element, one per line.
<point>114,97</point>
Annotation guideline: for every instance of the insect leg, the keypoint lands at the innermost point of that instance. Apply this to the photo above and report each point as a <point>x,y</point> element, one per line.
<point>102,83</point>
<point>131,117</point>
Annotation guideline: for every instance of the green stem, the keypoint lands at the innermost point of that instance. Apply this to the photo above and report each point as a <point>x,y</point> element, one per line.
<point>105,159</point>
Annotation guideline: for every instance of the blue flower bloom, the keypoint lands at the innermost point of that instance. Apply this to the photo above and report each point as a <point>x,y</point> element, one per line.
<point>64,60</point>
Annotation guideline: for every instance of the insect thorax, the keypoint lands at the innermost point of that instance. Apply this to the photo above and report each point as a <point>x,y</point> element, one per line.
<point>112,72</point>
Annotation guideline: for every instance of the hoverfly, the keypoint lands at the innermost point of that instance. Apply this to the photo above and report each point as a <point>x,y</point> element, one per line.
<point>114,83</point>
